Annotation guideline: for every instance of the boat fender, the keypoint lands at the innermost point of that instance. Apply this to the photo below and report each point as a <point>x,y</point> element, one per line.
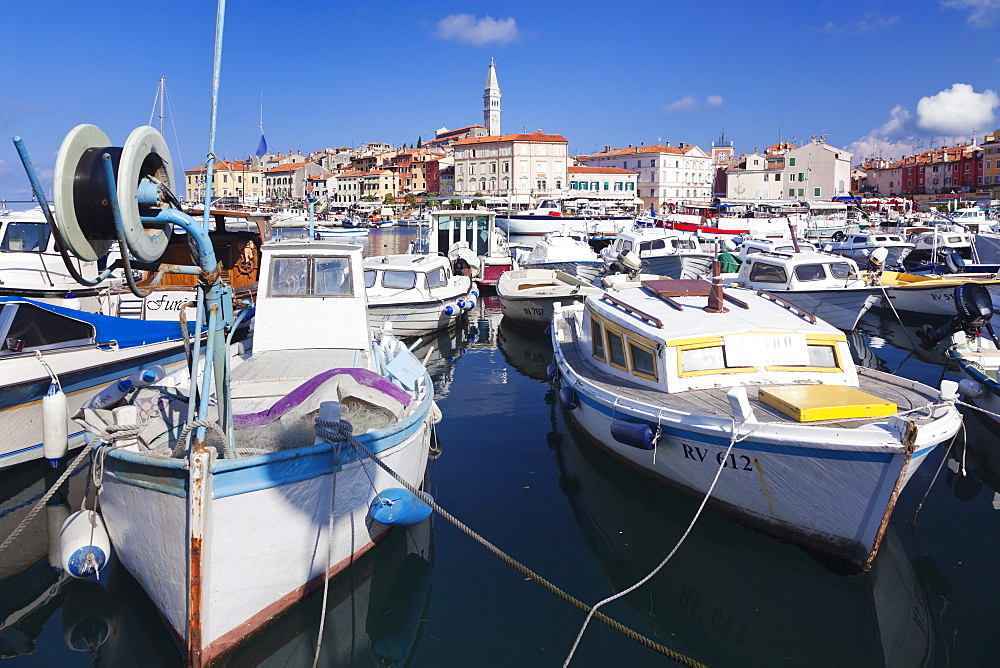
<point>71,301</point>
<point>55,425</point>
<point>474,293</point>
<point>552,371</point>
<point>436,415</point>
<point>461,303</point>
<point>399,507</point>
<point>117,390</point>
<point>449,310</point>
<point>471,304</point>
<point>87,616</point>
<point>568,398</point>
<point>633,434</point>
<point>971,389</point>
<point>84,545</point>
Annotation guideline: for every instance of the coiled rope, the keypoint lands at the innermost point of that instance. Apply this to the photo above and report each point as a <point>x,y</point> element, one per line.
<point>334,431</point>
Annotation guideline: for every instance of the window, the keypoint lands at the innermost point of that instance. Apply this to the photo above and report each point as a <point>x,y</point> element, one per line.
<point>616,349</point>
<point>35,327</point>
<point>802,176</point>
<point>791,162</point>
<point>25,237</point>
<point>401,280</point>
<point>768,273</point>
<point>791,192</point>
<point>840,270</point>
<point>606,186</point>
<point>777,177</point>
<point>437,278</point>
<point>370,278</point>
<point>816,192</point>
<point>309,276</point>
<point>810,272</point>
<point>643,360</point>
<point>702,359</point>
<point>597,340</point>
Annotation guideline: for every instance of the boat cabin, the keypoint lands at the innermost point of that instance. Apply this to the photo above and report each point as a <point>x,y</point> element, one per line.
<point>797,271</point>
<point>650,241</point>
<point>757,341</point>
<point>393,274</point>
<point>470,240</point>
<point>754,246</point>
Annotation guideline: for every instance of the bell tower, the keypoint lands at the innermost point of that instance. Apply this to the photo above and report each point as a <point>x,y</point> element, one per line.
<point>491,103</point>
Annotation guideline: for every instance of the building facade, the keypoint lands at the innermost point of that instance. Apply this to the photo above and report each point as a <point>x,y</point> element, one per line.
<point>289,181</point>
<point>521,167</point>
<point>991,163</point>
<point>602,183</point>
<point>665,174</point>
<point>232,182</point>
<point>816,171</point>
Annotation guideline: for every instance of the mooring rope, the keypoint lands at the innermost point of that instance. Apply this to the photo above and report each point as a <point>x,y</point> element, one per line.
<point>621,628</point>
<point>735,438</point>
<point>329,557</point>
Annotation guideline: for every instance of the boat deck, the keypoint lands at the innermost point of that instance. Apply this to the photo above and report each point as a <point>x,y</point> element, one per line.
<point>906,394</point>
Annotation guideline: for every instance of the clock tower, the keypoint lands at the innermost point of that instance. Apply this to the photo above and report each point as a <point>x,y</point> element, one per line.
<point>722,150</point>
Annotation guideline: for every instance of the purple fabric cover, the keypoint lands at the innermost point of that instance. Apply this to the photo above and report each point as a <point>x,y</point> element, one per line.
<point>302,392</point>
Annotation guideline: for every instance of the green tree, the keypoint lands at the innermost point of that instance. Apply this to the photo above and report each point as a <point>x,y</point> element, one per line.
<point>389,199</point>
<point>478,203</point>
<point>420,142</point>
<point>411,199</point>
<point>456,204</point>
<point>369,198</point>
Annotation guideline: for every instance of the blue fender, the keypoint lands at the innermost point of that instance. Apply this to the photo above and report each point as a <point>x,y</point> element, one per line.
<point>568,398</point>
<point>399,507</point>
<point>634,434</point>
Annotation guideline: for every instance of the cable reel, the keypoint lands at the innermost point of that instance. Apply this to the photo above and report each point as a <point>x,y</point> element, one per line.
<point>143,174</point>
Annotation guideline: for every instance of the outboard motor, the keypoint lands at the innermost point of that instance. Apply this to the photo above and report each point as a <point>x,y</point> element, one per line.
<point>954,262</point>
<point>630,263</point>
<point>974,309</point>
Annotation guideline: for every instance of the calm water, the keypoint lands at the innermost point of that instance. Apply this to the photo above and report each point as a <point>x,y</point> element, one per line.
<point>514,470</point>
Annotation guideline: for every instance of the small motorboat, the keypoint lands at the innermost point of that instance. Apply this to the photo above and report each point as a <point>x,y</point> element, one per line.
<point>526,295</point>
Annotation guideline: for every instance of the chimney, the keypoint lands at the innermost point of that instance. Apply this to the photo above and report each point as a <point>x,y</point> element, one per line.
<point>607,149</point>
<point>681,145</point>
<point>667,144</point>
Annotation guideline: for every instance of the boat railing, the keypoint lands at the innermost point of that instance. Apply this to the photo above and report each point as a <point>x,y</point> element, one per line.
<point>628,308</point>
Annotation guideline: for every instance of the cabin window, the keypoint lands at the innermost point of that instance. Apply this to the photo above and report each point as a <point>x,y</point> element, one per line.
<point>616,349</point>
<point>370,278</point>
<point>597,340</point>
<point>643,360</point>
<point>810,272</point>
<point>702,359</point>
<point>310,276</point>
<point>821,357</point>
<point>840,270</point>
<point>954,240</point>
<point>25,237</point>
<point>35,327</point>
<point>402,280</point>
<point>768,273</point>
<point>437,278</point>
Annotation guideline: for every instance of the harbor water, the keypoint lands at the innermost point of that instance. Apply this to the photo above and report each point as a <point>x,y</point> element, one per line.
<point>512,467</point>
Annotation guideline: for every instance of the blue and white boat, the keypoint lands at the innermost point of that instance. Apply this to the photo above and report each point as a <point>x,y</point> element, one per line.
<point>686,381</point>
<point>43,345</point>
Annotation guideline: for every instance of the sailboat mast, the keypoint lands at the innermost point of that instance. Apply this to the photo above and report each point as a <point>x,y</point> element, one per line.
<point>162,94</point>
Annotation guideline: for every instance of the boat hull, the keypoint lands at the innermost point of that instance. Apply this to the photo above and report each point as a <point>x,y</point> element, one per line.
<point>536,226</point>
<point>83,373</point>
<point>266,535</point>
<point>414,318</point>
<point>588,271</point>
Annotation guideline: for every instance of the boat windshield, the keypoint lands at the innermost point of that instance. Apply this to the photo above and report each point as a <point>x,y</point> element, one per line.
<point>31,237</point>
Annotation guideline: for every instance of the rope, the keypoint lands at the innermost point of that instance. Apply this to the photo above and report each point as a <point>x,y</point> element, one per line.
<point>48,495</point>
<point>735,438</point>
<point>329,561</point>
<point>52,376</point>
<point>323,425</point>
<point>181,446</point>
<point>913,518</point>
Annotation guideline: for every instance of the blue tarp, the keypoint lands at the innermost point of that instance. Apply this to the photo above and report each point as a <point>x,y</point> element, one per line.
<point>126,331</point>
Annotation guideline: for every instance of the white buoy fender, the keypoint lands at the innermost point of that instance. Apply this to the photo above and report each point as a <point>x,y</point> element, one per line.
<point>84,545</point>
<point>971,389</point>
<point>55,424</point>
<point>435,413</point>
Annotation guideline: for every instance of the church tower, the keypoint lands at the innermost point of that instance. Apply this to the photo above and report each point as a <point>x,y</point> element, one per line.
<point>491,103</point>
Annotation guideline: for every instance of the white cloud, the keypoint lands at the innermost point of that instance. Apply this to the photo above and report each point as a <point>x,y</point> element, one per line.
<point>957,110</point>
<point>467,29</point>
<point>871,21</point>
<point>982,13</point>
<point>691,104</point>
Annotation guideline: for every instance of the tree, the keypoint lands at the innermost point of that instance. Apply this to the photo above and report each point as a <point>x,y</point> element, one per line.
<point>420,142</point>
<point>369,198</point>
<point>389,199</point>
<point>411,199</point>
<point>478,203</point>
<point>456,204</point>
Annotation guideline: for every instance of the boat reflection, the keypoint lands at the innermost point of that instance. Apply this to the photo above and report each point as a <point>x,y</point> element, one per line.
<point>527,350</point>
<point>374,616</point>
<point>32,588</point>
<point>441,350</point>
<point>974,462</point>
<point>733,596</point>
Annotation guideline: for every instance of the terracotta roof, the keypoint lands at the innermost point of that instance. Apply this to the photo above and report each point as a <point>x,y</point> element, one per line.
<point>653,148</point>
<point>230,165</point>
<point>290,167</point>
<point>598,170</point>
<point>534,136</point>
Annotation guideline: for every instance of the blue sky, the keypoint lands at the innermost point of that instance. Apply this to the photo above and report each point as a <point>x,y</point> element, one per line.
<point>876,77</point>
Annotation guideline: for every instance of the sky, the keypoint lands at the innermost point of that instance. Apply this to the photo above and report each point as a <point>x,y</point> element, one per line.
<point>878,78</point>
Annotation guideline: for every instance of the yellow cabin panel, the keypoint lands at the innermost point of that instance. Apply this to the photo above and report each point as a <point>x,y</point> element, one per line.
<point>807,403</point>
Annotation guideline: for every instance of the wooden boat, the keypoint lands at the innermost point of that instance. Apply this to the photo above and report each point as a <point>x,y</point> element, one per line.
<point>289,504</point>
<point>527,295</point>
<point>684,388</point>
<point>413,295</point>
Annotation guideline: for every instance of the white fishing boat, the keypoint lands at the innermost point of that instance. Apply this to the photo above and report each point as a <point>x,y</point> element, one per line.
<point>413,295</point>
<point>686,381</point>
<point>71,355</point>
<point>307,495</point>
<point>31,266</point>
<point>829,286</point>
<point>934,243</point>
<point>526,296</point>
<point>858,246</point>
<point>663,252</point>
<point>553,215</point>
<point>568,252</point>
<point>927,295</point>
